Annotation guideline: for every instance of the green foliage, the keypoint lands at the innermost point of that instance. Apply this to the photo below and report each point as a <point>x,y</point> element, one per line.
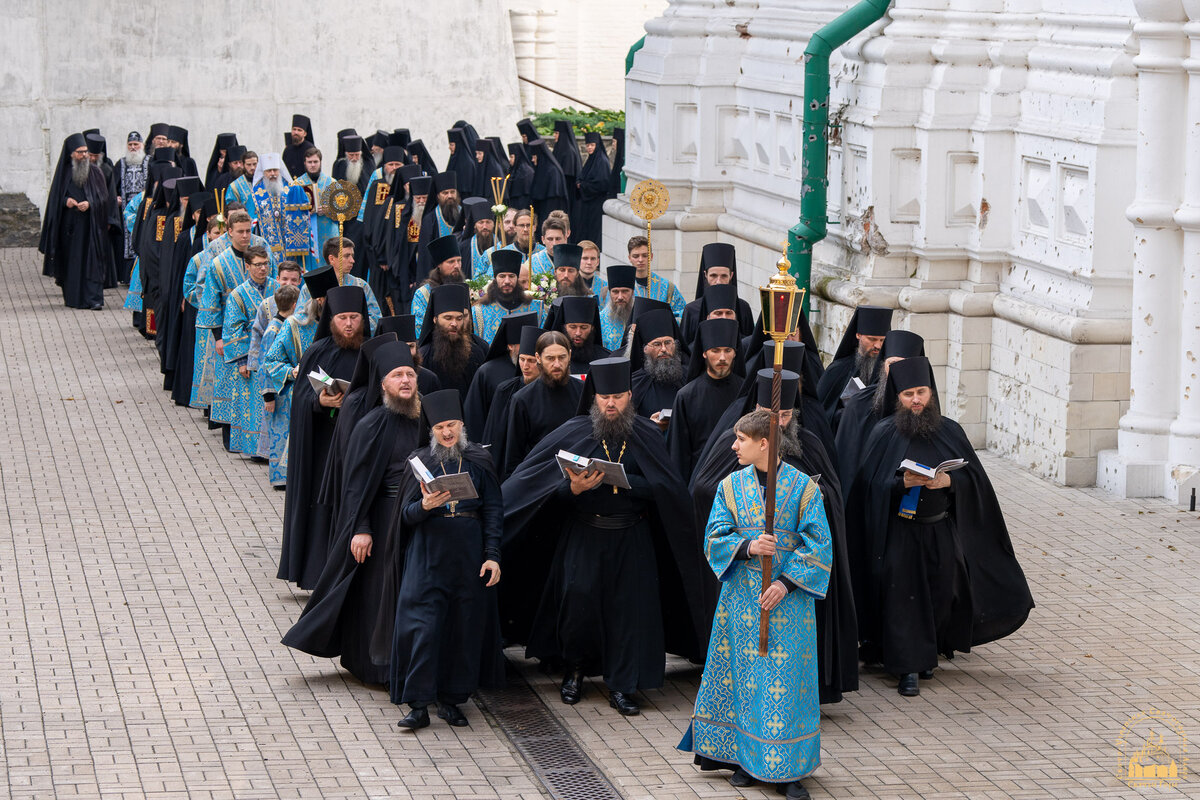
<point>602,120</point>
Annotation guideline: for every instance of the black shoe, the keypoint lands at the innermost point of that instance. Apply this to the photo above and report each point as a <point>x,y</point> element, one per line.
<point>452,714</point>
<point>98,307</point>
<point>925,674</point>
<point>572,687</point>
<point>741,779</point>
<point>793,791</point>
<point>908,685</point>
<point>624,704</point>
<point>416,719</point>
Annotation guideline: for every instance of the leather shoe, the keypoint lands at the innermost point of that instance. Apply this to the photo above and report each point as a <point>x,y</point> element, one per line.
<point>741,779</point>
<point>572,687</point>
<point>925,674</point>
<point>624,704</point>
<point>793,791</point>
<point>452,714</point>
<point>909,687</point>
<point>416,719</point>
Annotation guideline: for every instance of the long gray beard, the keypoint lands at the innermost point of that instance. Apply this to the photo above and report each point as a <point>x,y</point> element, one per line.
<point>612,430</point>
<point>452,454</point>
<point>135,159</point>
<point>881,393</point>
<point>79,171</point>
<point>418,210</point>
<point>665,370</point>
<point>621,313</point>
<point>409,407</point>
<point>353,171</point>
<point>864,366</point>
<point>789,439</point>
<point>923,425</point>
<point>274,186</point>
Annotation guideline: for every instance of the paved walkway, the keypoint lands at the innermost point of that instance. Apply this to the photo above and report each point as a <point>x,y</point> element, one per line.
<point>140,655</point>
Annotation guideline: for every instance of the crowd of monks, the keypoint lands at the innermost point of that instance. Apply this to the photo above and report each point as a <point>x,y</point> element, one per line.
<point>430,385</point>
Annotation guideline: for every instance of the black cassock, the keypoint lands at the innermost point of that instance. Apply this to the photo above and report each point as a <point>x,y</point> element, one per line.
<point>495,428</point>
<point>341,615</point>
<point>570,585</point>
<point>446,640</point>
<point>175,254</point>
<point>690,322</point>
<point>582,357</point>
<point>483,388</point>
<point>908,613</point>
<point>460,381</point>
<point>306,531</point>
<point>535,410</point>
<point>698,407</point>
<point>837,630</point>
<point>587,222</point>
<point>651,396</point>
<point>82,254</point>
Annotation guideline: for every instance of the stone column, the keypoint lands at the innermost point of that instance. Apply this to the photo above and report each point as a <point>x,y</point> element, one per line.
<point>524,35</point>
<point>1158,250</point>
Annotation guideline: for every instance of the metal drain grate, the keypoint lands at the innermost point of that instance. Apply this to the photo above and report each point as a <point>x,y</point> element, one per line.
<point>557,760</point>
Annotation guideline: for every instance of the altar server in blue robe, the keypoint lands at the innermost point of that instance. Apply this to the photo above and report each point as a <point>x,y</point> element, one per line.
<point>240,310</point>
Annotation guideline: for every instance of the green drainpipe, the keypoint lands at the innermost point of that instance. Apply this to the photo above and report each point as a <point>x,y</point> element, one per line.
<point>814,201</point>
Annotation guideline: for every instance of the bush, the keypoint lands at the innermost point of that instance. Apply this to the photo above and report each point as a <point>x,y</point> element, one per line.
<point>602,120</point>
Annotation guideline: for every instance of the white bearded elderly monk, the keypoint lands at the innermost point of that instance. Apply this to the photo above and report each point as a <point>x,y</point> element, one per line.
<point>270,189</point>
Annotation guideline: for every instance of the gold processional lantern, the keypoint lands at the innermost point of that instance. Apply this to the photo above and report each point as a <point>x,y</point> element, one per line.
<point>649,200</point>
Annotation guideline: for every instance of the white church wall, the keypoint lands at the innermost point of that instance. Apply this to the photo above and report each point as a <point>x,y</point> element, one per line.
<point>214,67</point>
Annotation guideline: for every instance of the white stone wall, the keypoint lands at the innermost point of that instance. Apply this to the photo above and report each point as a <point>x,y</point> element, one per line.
<point>979,181</point>
<point>246,67</point>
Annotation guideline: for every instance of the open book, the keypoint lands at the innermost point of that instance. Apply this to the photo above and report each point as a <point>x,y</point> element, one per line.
<point>949,465</point>
<point>853,387</point>
<point>321,382</point>
<point>458,484</point>
<point>614,473</point>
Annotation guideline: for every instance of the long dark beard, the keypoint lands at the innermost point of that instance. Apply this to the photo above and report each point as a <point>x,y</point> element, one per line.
<point>864,366</point>
<point>452,354</point>
<point>617,429</point>
<point>665,370</point>
<point>436,278</point>
<point>450,209</point>
<point>923,425</point>
<point>550,381</point>
<point>575,288</point>
<point>789,438</point>
<point>449,455</point>
<point>408,407</point>
<point>79,171</point>
<point>512,299</point>
<point>352,342</point>
<point>484,240</point>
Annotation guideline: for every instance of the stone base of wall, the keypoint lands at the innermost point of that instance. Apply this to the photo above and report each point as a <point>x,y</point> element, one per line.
<point>20,223</point>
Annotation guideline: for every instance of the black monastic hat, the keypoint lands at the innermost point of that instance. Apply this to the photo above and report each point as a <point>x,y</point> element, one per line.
<point>507,261</point>
<point>621,276</point>
<point>450,297</point>
<point>443,248</point>
<point>320,281</point>
<point>529,338</point>
<point>567,255</point>
<point>403,325</point>
<point>789,388</point>
<point>442,406</point>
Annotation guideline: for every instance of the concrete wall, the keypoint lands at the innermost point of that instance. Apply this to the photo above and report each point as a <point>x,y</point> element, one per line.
<point>246,67</point>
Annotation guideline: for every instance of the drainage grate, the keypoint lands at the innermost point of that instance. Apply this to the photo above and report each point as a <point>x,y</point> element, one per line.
<point>557,760</point>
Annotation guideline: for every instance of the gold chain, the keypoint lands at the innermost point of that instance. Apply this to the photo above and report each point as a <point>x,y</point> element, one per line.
<point>608,455</point>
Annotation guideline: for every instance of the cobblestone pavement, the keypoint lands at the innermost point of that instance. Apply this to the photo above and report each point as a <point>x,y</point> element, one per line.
<point>141,622</point>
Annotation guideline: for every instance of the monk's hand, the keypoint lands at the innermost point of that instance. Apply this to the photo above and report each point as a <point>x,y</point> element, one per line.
<point>360,546</point>
<point>657,419</point>
<point>72,202</point>
<point>83,206</point>
<point>244,371</point>
<point>330,400</point>
<point>942,481</point>
<point>383,267</point>
<point>220,345</point>
<point>431,500</point>
<point>912,479</point>
<point>492,570</point>
<point>585,481</point>
<point>269,406</point>
<point>772,596</point>
<point>763,545</point>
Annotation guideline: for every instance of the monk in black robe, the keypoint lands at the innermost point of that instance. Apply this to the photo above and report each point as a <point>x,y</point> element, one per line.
<point>447,634</point>
<point>837,629</point>
<point>299,139</point>
<point>620,588</point>
<point>343,326</point>
<point>405,328</point>
<point>549,190</point>
<point>942,571</point>
<point>520,177</point>
<point>587,224</point>
<point>714,382</point>
<point>566,153</point>
<point>448,346</point>
<point>499,366</point>
<point>717,301</point>
<point>542,405</point>
<point>856,357</point>
<point>379,209</point>
<point>354,167</point>
<point>341,615</point>
<point>442,214</point>
<point>495,427</point>
<point>404,240</point>
<point>176,251</point>
<point>74,237</point>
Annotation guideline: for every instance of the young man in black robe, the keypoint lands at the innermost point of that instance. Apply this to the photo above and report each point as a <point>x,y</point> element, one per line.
<point>441,217</point>
<point>837,629</point>
<point>856,357</point>
<point>718,267</point>
<point>720,301</point>
<point>500,365</point>
<point>943,575</point>
<point>714,381</point>
<point>341,615</point>
<point>620,586</point>
<point>542,405</point>
<point>446,641</point>
<point>448,346</point>
<point>299,139</point>
<point>658,369</point>
<point>579,319</point>
<point>495,427</point>
<point>74,231</point>
<point>341,331</point>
